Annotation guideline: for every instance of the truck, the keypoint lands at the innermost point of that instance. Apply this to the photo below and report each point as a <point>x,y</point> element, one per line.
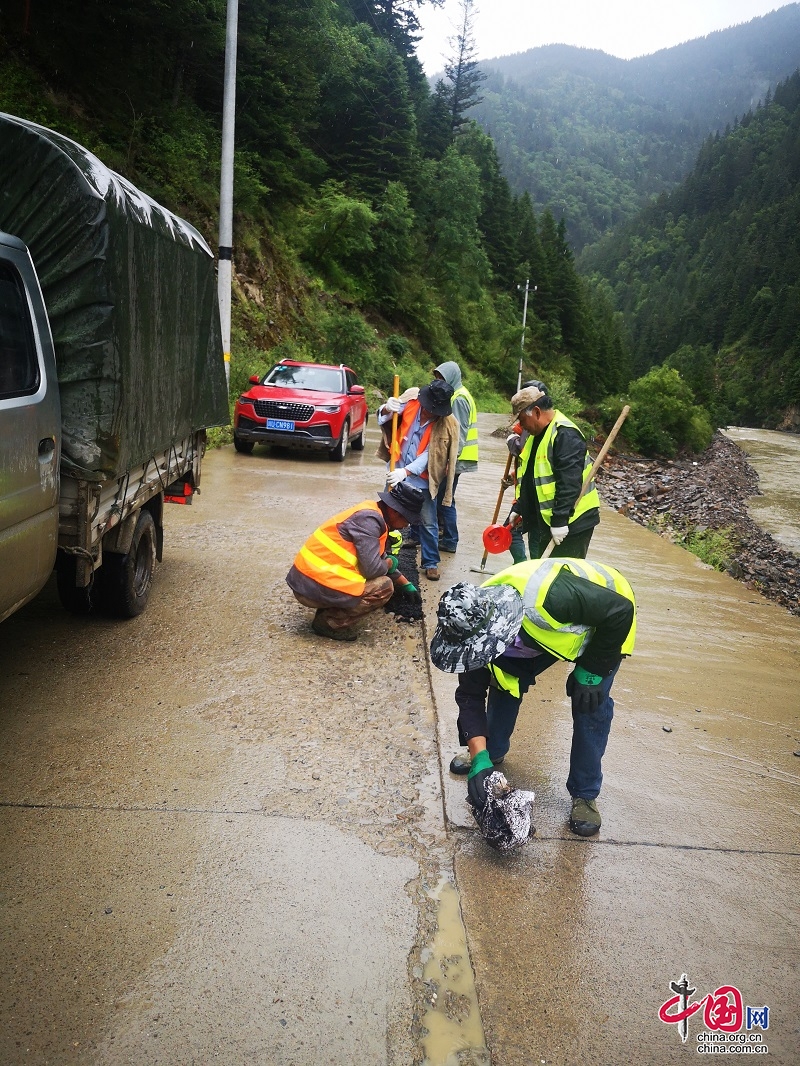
<point>111,372</point>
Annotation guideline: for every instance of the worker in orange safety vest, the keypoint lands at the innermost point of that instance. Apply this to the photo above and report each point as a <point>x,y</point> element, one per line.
<point>344,570</point>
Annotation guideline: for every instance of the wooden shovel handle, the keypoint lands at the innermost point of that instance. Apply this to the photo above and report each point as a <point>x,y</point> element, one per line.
<point>395,393</point>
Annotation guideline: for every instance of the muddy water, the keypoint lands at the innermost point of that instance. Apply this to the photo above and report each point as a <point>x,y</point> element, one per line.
<point>575,942</point>
<point>776,458</point>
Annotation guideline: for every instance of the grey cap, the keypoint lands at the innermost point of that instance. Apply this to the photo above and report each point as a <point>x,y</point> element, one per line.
<point>475,625</point>
<point>404,499</point>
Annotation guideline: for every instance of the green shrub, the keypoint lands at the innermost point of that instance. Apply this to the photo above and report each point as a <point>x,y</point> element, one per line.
<point>560,388</point>
<point>716,547</point>
<point>485,395</point>
<point>664,417</point>
<point>246,359</point>
<point>348,339</point>
<point>397,346</point>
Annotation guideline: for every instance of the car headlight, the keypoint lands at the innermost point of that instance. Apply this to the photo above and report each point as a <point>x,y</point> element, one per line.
<point>246,399</point>
<point>330,408</point>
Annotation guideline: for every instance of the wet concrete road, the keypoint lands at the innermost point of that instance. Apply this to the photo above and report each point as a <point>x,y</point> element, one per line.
<point>225,840</point>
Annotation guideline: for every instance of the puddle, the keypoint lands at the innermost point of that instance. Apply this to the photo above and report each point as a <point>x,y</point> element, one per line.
<point>452,1019</point>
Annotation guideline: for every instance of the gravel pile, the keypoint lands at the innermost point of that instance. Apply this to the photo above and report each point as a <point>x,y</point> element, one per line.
<point>677,496</point>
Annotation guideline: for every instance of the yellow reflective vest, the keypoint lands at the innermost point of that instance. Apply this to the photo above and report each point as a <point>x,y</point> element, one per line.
<point>532,580</point>
<point>470,449</point>
<point>330,560</point>
<point>544,477</point>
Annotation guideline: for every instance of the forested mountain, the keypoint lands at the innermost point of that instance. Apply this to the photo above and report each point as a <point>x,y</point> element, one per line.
<point>708,277</point>
<point>373,223</point>
<point>591,137</point>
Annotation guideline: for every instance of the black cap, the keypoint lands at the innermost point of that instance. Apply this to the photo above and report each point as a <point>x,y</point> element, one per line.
<point>435,398</point>
<point>404,499</point>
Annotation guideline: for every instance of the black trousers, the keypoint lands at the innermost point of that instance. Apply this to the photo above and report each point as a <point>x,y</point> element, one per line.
<point>573,546</point>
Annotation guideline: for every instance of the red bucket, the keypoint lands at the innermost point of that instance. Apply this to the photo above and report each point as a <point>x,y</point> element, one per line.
<point>497,539</point>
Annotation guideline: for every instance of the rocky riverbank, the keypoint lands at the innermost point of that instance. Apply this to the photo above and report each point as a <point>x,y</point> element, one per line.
<point>686,499</point>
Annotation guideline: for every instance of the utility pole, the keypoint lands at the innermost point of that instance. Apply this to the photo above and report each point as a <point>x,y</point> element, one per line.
<point>225,266</point>
<point>524,320</point>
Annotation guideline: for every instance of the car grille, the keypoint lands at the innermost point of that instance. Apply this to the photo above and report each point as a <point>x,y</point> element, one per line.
<point>298,412</point>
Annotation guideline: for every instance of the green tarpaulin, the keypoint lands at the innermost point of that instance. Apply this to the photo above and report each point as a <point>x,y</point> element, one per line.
<point>131,293</point>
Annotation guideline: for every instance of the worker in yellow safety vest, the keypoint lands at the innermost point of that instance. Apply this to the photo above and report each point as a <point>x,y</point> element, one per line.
<point>466,414</point>
<point>553,464</point>
<point>499,637</point>
<point>344,570</point>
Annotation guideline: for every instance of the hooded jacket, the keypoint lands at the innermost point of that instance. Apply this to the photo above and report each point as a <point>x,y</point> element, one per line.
<point>451,372</point>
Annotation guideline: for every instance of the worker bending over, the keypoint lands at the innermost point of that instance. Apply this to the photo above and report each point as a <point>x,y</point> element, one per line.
<point>553,464</point>
<point>499,637</point>
<point>344,570</point>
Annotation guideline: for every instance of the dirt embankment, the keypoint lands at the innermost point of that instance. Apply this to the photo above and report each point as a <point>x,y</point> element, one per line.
<point>675,497</point>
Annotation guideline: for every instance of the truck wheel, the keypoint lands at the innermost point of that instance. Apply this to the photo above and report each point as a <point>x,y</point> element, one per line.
<point>338,453</point>
<point>244,447</point>
<point>78,601</point>
<point>127,578</point>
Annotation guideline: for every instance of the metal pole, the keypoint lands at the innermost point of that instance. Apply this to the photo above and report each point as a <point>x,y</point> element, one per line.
<point>225,268</point>
<point>522,343</point>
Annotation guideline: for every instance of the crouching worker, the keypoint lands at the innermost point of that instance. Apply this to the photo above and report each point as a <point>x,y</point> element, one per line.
<point>499,637</point>
<point>343,569</point>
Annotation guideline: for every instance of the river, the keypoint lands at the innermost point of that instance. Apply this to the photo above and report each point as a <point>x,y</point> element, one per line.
<point>776,459</point>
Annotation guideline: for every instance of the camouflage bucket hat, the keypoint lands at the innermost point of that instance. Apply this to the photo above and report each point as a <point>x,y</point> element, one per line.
<point>475,626</point>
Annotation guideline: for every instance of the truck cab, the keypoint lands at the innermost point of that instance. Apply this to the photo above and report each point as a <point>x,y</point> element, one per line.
<point>30,432</point>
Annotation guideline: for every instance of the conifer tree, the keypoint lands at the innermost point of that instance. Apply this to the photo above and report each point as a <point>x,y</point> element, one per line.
<point>461,70</point>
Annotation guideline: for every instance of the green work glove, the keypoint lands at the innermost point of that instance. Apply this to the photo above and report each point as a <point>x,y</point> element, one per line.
<point>411,592</point>
<point>583,689</point>
<point>395,541</point>
<point>479,772</point>
<point>393,564</point>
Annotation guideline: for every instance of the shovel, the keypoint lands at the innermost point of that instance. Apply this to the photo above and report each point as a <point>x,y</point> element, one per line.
<point>503,486</point>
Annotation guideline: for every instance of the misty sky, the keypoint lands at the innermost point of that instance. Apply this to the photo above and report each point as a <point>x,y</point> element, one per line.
<point>624,28</point>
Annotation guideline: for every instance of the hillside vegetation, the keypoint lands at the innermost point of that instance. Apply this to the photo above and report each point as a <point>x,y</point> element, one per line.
<point>592,137</point>
<point>373,224</point>
<point>708,277</point>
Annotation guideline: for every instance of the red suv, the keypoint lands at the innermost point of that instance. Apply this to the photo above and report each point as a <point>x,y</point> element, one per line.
<point>302,405</point>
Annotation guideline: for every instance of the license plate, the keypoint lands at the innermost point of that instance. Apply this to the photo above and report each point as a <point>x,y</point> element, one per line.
<point>285,424</point>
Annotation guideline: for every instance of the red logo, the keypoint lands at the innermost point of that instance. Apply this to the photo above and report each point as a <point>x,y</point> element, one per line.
<point>723,1010</point>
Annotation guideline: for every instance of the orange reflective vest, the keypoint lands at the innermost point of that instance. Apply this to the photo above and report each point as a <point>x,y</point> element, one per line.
<point>330,560</point>
<point>406,420</point>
